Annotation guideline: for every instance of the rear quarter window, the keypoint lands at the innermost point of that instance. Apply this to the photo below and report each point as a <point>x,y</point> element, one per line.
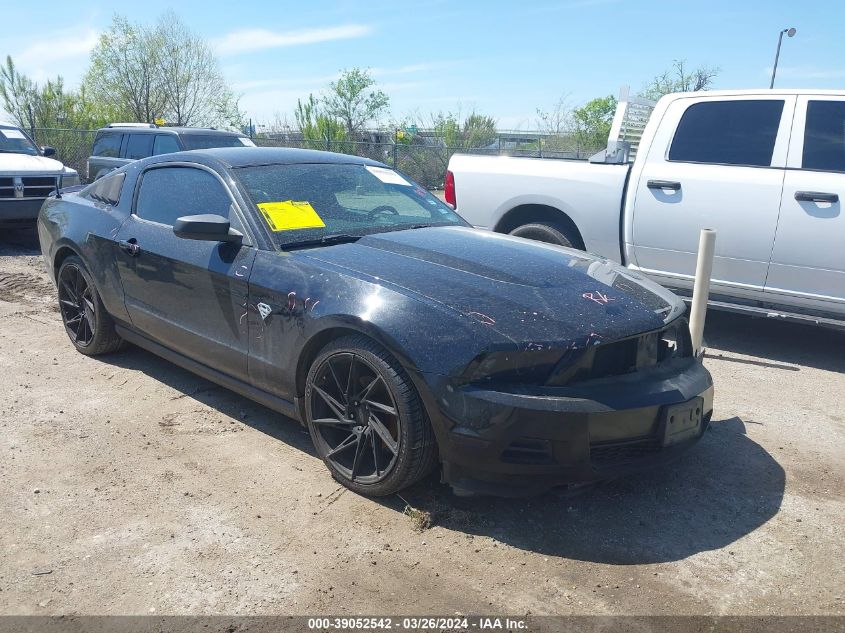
<point>107,145</point>
<point>741,132</point>
<point>106,190</point>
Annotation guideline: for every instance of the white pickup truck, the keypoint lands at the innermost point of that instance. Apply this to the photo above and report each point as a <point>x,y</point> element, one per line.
<point>765,168</point>
<point>27,177</point>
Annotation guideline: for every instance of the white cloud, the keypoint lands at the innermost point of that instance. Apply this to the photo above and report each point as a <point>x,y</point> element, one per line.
<point>40,55</point>
<point>247,40</point>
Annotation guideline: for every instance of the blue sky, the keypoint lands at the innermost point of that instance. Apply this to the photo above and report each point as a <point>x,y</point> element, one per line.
<point>502,58</point>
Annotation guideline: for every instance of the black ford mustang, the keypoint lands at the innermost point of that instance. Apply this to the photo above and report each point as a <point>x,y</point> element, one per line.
<point>336,291</point>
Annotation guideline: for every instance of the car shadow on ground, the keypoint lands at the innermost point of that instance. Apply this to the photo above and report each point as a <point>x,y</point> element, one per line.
<point>212,395</point>
<point>723,489</point>
<point>773,340</point>
<point>17,242</point>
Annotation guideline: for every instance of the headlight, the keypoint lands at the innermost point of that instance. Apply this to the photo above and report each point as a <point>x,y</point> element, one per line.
<point>70,178</point>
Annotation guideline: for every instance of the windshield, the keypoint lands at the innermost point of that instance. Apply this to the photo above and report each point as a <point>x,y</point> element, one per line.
<point>13,141</point>
<point>308,202</point>
<point>207,141</point>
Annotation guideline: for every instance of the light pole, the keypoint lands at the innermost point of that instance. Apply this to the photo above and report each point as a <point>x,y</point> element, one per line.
<point>790,32</point>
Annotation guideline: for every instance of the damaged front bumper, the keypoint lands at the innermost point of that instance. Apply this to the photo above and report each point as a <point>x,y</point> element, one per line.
<point>521,440</point>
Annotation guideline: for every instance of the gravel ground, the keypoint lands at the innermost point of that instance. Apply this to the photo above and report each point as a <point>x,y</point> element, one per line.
<point>133,487</point>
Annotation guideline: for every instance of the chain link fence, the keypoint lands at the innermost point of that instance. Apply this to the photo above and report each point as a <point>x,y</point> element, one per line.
<point>73,147</point>
<point>424,162</point>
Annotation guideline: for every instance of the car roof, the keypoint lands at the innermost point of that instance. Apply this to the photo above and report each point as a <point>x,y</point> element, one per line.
<point>181,131</point>
<point>254,156</point>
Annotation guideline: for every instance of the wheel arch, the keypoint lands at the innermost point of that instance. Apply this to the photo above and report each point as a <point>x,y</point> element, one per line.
<point>534,212</point>
<point>335,330</point>
<point>62,253</point>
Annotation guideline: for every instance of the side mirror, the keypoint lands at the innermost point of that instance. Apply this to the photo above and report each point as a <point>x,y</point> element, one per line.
<point>208,228</point>
<point>48,151</point>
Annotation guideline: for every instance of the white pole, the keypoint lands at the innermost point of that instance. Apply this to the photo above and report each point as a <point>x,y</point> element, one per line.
<point>701,289</point>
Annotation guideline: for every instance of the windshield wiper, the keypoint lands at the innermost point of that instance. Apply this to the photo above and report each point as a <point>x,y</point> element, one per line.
<point>336,238</point>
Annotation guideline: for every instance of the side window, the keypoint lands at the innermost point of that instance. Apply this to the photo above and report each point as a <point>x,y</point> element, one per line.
<point>139,146</point>
<point>824,136</point>
<point>168,193</point>
<point>165,144</point>
<point>728,133</point>
<point>108,145</point>
<point>106,190</point>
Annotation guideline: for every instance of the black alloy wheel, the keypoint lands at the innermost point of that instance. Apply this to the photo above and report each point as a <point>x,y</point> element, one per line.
<point>76,303</point>
<point>365,418</point>
<point>87,323</point>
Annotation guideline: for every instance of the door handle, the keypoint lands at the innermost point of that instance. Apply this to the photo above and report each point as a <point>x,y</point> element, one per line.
<point>130,247</point>
<point>816,196</point>
<point>664,184</point>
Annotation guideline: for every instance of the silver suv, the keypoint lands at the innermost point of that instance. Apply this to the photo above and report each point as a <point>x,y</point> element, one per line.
<point>121,143</point>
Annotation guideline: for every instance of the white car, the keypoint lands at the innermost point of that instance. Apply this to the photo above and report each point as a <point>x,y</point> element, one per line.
<point>27,177</point>
<point>764,168</point>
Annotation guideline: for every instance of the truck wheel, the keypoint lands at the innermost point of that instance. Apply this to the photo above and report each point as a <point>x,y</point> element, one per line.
<point>549,233</point>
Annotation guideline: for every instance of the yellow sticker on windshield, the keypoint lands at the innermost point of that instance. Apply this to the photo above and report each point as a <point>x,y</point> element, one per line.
<point>290,215</point>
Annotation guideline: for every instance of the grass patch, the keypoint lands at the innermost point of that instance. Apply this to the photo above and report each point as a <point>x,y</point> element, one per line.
<point>420,519</point>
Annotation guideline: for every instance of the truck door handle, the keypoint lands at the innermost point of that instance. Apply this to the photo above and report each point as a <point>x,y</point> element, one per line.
<point>816,196</point>
<point>664,184</point>
<point>130,247</point>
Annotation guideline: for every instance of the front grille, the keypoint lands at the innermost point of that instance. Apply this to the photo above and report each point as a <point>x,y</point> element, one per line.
<point>621,453</point>
<point>624,356</point>
<point>27,186</point>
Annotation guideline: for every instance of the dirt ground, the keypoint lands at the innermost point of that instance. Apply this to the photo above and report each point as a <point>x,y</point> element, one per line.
<point>131,486</point>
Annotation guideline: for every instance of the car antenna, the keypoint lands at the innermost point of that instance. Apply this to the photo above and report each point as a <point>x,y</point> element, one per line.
<point>59,181</point>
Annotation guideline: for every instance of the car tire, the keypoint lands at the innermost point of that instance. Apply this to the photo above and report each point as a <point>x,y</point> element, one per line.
<point>352,382</point>
<point>548,232</point>
<point>87,323</point>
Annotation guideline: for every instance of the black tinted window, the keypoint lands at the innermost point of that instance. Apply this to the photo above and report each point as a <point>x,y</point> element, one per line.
<point>165,144</point>
<point>824,136</point>
<point>728,133</point>
<point>106,190</point>
<point>139,146</point>
<point>206,141</point>
<point>108,145</point>
<point>168,193</point>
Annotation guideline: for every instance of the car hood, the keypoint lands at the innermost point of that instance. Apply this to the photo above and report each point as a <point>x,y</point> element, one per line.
<point>535,294</point>
<point>25,164</point>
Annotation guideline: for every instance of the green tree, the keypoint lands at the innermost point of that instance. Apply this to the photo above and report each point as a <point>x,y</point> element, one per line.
<point>125,73</point>
<point>354,101</point>
<point>19,94</point>
<point>462,133</point>
<point>678,79</point>
<point>591,122</point>
<point>166,71</point>
<point>48,105</point>
<point>319,129</point>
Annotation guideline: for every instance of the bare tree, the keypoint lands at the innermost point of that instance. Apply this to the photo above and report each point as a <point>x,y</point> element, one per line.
<point>677,79</point>
<point>558,120</point>
<point>194,87</point>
